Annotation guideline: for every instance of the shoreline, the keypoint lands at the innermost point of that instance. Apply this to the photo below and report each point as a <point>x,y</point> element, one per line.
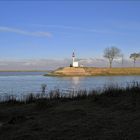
<point>92,71</point>
<point>52,75</point>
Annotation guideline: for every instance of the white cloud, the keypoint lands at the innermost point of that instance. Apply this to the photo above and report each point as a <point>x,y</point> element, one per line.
<point>24,32</point>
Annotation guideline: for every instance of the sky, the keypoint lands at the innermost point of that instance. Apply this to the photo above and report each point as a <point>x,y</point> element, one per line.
<point>38,34</point>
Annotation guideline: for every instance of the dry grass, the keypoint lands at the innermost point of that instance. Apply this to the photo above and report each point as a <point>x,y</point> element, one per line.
<point>112,115</point>
<point>93,71</point>
<point>113,71</point>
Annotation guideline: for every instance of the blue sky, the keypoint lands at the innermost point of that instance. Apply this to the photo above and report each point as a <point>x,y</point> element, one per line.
<point>51,30</point>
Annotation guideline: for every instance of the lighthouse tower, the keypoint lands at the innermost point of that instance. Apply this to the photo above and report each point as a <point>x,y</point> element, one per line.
<point>73,57</point>
<point>74,63</point>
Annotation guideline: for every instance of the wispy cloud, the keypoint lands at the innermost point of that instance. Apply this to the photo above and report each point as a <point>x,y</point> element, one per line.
<point>68,27</point>
<point>24,32</point>
<point>81,29</point>
<point>72,28</point>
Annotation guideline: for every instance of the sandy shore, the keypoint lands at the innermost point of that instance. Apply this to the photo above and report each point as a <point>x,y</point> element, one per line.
<point>91,71</point>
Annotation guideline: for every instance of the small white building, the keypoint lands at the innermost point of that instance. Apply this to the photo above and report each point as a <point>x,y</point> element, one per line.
<point>74,62</point>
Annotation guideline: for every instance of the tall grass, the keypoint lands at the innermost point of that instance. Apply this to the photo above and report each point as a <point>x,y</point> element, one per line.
<point>111,91</point>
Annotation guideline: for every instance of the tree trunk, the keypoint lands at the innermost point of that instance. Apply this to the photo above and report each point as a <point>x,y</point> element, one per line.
<point>110,64</point>
<point>134,62</point>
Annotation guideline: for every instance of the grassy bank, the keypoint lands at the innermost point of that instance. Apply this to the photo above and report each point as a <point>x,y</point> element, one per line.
<point>113,71</point>
<point>113,114</point>
<point>92,71</point>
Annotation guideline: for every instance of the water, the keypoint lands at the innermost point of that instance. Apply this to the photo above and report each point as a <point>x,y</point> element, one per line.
<point>23,83</point>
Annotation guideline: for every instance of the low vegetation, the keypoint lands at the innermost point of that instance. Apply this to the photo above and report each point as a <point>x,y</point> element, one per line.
<point>112,71</point>
<point>94,71</point>
<point>112,113</point>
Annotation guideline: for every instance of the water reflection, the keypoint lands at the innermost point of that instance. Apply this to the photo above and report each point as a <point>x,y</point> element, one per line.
<point>75,80</point>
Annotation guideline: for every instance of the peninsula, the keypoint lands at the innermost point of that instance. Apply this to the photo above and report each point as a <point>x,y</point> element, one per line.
<point>79,70</point>
<point>93,71</point>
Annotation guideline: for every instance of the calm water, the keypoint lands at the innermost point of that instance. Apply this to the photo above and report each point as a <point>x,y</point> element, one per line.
<point>22,83</point>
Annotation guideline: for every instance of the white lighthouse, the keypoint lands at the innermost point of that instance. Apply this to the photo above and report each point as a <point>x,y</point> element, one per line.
<point>74,63</point>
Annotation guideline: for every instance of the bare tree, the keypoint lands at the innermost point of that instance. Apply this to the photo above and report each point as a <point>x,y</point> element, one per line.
<point>111,53</point>
<point>134,56</point>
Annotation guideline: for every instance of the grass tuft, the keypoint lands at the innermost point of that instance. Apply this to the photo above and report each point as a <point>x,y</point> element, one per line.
<point>54,97</point>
